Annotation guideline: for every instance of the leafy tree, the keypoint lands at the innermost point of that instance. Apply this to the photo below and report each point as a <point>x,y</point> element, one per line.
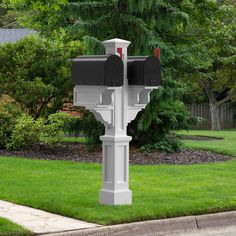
<point>42,5</point>
<point>207,61</point>
<point>2,9</point>
<point>150,24</point>
<point>147,24</point>
<point>7,15</point>
<point>35,72</point>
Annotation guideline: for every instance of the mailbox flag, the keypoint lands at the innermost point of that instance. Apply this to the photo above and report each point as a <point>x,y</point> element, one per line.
<point>119,51</point>
<point>157,52</point>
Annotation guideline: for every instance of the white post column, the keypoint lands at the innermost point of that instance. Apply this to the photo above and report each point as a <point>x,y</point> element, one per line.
<point>115,164</point>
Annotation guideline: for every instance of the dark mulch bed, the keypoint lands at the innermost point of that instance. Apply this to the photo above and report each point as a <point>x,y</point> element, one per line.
<point>78,152</point>
<point>199,137</point>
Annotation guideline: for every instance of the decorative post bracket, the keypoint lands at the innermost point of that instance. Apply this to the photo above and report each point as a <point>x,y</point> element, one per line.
<point>115,88</point>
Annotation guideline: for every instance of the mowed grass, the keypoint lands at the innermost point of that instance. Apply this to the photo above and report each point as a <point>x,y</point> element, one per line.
<point>74,139</point>
<point>71,189</point>
<point>7,228</point>
<point>225,146</point>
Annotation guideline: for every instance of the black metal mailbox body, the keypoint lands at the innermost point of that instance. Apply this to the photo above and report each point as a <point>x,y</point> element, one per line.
<point>98,70</point>
<point>144,70</point>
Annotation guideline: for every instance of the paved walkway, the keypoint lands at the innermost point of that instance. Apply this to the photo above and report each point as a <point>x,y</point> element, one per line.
<point>38,221</point>
<point>218,224</point>
<point>44,223</point>
<point>217,231</point>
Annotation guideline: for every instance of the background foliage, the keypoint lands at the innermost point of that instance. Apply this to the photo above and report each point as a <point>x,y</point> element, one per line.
<point>207,57</point>
<point>151,24</point>
<point>35,72</point>
<point>196,38</point>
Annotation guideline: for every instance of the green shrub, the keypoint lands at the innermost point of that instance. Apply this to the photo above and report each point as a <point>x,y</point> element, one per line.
<point>8,114</point>
<point>26,132</point>
<point>160,134</point>
<point>52,130</point>
<point>169,143</point>
<point>6,127</point>
<point>92,130</point>
<point>86,125</point>
<point>73,126</point>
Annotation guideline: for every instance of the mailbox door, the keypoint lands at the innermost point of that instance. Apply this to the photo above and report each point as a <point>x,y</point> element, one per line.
<point>136,72</point>
<point>152,71</point>
<point>114,71</point>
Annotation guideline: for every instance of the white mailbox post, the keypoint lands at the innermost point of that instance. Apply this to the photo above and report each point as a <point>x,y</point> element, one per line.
<point>115,106</point>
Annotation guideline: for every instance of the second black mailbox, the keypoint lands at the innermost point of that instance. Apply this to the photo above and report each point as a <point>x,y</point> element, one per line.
<point>98,70</point>
<point>144,70</point>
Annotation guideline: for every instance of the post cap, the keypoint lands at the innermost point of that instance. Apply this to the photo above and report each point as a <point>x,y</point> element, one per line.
<point>116,42</point>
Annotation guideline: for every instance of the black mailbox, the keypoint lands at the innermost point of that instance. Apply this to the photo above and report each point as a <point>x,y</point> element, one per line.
<point>144,71</point>
<point>98,70</point>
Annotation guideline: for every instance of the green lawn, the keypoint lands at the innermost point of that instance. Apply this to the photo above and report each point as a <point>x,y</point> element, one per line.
<point>225,146</point>
<point>71,189</point>
<point>74,139</point>
<point>8,228</point>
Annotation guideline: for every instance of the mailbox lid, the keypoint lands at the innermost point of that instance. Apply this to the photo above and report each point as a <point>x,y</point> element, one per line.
<point>98,70</point>
<point>152,71</point>
<point>114,71</point>
<point>144,70</point>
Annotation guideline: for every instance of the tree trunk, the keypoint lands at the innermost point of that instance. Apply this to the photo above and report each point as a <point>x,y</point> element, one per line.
<point>215,116</point>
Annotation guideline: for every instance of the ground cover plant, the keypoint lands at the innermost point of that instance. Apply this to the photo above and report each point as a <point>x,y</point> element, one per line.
<point>160,191</point>
<point>7,228</point>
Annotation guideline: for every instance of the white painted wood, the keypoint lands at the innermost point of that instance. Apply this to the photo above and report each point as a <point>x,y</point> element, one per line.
<point>39,221</point>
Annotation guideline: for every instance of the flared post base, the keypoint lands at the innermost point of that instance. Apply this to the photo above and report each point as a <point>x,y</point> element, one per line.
<point>115,198</point>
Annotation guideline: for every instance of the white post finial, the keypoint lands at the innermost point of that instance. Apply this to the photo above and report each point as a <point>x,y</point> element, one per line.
<point>117,47</point>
